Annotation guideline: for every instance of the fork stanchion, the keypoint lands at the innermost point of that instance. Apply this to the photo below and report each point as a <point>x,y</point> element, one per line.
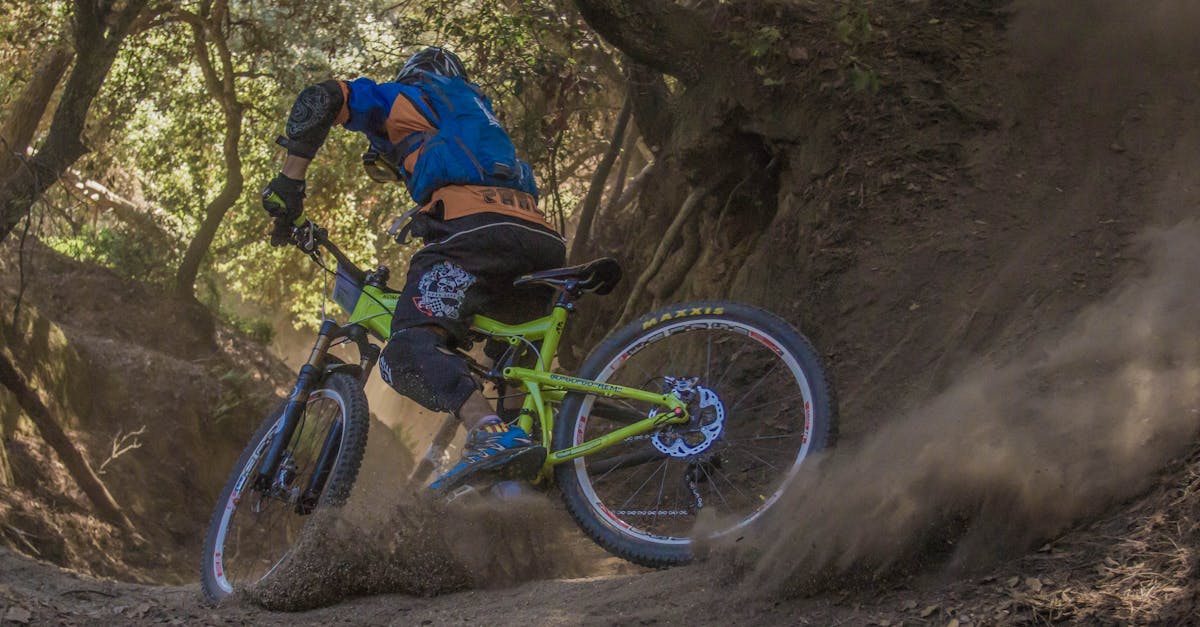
<point>441,440</point>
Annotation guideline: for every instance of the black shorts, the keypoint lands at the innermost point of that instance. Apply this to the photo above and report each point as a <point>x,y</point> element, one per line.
<point>468,266</point>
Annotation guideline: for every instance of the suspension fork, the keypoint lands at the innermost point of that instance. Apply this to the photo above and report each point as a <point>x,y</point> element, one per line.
<point>369,356</point>
<point>310,374</point>
<point>324,466</point>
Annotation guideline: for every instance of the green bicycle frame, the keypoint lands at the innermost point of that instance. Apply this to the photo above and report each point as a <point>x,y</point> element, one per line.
<point>542,388</point>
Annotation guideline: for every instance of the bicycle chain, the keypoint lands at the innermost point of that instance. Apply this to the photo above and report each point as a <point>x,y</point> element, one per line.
<point>695,491</point>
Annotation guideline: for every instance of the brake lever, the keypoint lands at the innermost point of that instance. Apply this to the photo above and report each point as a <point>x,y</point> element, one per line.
<point>305,238</point>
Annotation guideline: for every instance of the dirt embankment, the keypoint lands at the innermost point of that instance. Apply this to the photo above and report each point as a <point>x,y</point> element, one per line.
<point>158,397</point>
<point>1014,341</point>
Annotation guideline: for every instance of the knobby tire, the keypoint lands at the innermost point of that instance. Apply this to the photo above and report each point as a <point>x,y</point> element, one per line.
<point>769,391</point>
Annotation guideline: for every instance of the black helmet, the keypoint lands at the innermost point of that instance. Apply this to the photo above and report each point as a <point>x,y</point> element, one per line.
<point>435,60</point>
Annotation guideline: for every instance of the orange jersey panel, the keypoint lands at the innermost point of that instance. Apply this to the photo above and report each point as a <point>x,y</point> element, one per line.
<point>464,200</point>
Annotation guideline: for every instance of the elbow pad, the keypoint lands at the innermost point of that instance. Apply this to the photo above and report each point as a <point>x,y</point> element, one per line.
<point>312,116</point>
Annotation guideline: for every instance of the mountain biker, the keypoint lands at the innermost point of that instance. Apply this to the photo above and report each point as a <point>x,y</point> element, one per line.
<point>435,131</point>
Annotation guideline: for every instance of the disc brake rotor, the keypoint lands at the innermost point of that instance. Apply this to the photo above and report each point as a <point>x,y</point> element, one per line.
<point>697,437</point>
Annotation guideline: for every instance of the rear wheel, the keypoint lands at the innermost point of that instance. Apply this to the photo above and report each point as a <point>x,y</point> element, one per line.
<point>760,406</point>
<point>253,531</point>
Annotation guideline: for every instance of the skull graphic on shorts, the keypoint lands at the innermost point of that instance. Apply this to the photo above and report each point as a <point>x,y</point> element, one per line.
<point>443,288</point>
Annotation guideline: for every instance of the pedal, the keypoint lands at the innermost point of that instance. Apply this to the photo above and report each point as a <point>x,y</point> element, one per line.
<point>511,491</point>
<point>463,494</point>
<point>525,465</point>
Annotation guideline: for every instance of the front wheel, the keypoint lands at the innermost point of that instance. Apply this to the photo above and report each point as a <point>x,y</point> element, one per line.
<point>253,531</point>
<point>759,403</point>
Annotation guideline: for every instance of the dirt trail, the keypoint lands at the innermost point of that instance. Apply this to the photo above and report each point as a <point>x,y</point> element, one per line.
<point>1029,360</point>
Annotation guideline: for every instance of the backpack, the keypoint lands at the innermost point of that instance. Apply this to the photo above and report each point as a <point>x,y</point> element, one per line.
<point>469,147</point>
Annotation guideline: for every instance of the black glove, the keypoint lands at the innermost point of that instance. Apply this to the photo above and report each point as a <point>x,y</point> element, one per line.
<point>283,198</point>
<point>281,232</point>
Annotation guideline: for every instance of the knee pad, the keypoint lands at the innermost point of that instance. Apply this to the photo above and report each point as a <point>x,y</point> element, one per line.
<point>417,364</point>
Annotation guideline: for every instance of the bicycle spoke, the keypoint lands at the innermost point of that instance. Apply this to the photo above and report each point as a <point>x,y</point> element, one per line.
<point>762,431</point>
<point>624,460</point>
<point>713,484</point>
<point>773,402</point>
<point>731,484</point>
<point>708,358</point>
<point>756,457</point>
<point>766,447</point>
<point>629,406</point>
<point>638,491</point>
<point>766,437</point>
<point>623,483</point>
<point>263,529</point>
<point>754,387</point>
<point>658,504</point>
<point>647,376</point>
<point>729,367</point>
<point>679,486</point>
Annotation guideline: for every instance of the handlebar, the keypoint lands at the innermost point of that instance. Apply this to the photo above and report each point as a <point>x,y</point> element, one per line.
<point>308,237</point>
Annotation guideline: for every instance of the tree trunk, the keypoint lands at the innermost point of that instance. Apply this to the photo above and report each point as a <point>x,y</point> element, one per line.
<point>214,214</point>
<point>98,34</point>
<point>591,202</point>
<point>651,105</point>
<point>6,477</point>
<point>29,108</point>
<point>219,79</point>
<point>658,33</point>
<point>76,464</point>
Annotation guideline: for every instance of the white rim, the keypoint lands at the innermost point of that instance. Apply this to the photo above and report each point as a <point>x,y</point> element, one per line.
<point>765,339</point>
<point>218,566</point>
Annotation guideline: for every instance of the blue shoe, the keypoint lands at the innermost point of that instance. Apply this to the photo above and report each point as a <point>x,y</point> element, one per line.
<point>490,447</point>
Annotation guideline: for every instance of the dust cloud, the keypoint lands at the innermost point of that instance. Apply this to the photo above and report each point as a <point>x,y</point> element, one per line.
<point>392,538</point>
<point>1010,454</point>
<point>417,546</point>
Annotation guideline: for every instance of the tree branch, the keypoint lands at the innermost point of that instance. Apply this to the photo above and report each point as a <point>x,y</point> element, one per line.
<point>220,41</point>
<point>222,88</point>
<point>27,111</point>
<point>591,202</point>
<point>212,81</point>
<point>690,205</point>
<point>658,33</point>
<point>64,142</point>
<point>651,104</point>
<point>627,153</point>
<point>74,461</point>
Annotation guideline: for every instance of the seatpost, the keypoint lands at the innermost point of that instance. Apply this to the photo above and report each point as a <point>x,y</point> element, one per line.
<point>567,295</point>
<point>562,306</point>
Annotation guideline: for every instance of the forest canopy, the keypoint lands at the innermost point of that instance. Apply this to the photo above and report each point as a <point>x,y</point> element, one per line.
<point>178,141</point>
<point>139,133</point>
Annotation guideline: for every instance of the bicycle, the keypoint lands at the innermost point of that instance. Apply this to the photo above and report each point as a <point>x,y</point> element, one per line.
<point>700,406</point>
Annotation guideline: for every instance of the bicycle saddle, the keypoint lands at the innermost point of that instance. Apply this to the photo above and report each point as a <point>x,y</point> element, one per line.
<point>596,277</point>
